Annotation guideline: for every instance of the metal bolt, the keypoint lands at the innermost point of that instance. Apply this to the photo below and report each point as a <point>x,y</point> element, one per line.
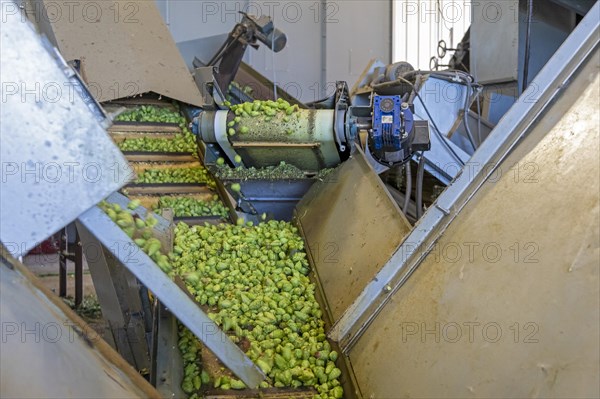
<point>387,288</point>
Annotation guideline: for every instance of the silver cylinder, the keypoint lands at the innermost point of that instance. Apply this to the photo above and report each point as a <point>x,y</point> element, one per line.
<point>305,138</point>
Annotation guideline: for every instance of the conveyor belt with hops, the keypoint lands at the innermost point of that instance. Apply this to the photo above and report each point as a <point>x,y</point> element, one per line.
<point>165,160</point>
<point>181,176</point>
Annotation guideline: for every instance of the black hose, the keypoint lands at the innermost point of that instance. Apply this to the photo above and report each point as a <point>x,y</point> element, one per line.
<point>408,188</point>
<point>420,177</point>
<point>467,78</point>
<point>416,86</point>
<point>449,73</point>
<point>398,198</point>
<point>527,45</point>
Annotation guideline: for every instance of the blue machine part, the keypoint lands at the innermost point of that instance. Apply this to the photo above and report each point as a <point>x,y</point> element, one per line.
<point>192,114</point>
<point>391,123</point>
<point>195,126</point>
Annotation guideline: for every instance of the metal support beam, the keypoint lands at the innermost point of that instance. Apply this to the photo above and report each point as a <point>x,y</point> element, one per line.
<point>168,372</point>
<point>78,271</point>
<point>63,245</point>
<point>118,294</point>
<point>581,7</point>
<point>76,256</point>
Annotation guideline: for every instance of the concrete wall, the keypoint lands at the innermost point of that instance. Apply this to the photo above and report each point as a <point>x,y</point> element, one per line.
<point>327,40</point>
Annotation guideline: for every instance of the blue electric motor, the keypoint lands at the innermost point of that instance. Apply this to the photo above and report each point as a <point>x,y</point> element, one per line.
<point>392,129</point>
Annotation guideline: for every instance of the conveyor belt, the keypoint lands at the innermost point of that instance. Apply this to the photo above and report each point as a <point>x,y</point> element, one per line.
<point>149,194</point>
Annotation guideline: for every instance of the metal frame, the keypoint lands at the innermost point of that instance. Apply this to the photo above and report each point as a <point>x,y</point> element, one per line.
<point>119,296</point>
<point>514,126</point>
<point>99,225</point>
<point>221,134</point>
<point>77,258</point>
<point>168,366</point>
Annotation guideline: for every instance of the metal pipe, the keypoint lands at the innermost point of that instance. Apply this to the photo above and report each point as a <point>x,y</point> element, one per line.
<point>420,177</point>
<point>408,188</point>
<point>399,199</point>
<point>479,139</point>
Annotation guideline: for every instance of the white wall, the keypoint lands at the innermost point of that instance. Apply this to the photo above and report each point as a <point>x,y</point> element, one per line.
<point>362,30</point>
<point>327,40</point>
<point>419,25</point>
<point>297,68</point>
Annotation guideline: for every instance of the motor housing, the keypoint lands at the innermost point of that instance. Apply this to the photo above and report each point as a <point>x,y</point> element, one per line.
<point>391,132</point>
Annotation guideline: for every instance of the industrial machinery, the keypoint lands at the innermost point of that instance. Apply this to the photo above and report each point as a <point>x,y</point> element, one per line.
<point>244,34</point>
<point>325,132</point>
<point>214,77</point>
<point>311,137</point>
<point>322,138</point>
<point>386,290</point>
